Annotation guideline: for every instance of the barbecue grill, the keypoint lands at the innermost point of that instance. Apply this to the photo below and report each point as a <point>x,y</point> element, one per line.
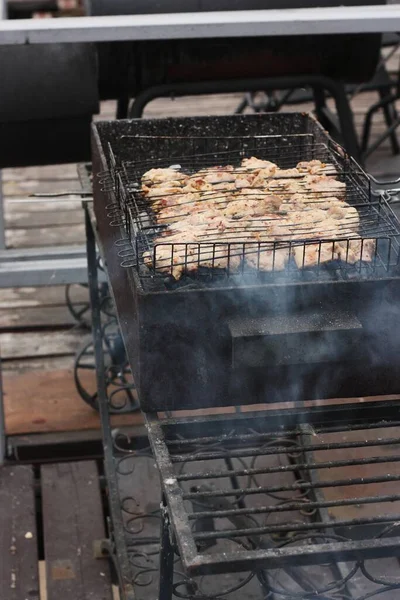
<point>254,334</point>
<point>286,492</point>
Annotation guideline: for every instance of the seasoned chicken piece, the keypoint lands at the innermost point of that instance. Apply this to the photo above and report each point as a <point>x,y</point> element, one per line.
<point>279,186</point>
<point>220,256</point>
<point>174,202</point>
<point>244,180</point>
<point>174,254</point>
<point>168,187</point>
<point>157,176</point>
<point>347,216</point>
<point>325,185</point>
<point>355,249</point>
<point>286,173</point>
<point>321,201</point>
<point>307,166</point>
<point>251,206</point>
<point>311,255</point>
<point>174,257</point>
<point>265,180</point>
<point>251,193</point>
<point>263,257</point>
<point>201,222</point>
<point>268,200</point>
<point>195,184</point>
<point>268,218</point>
<point>178,211</point>
<point>220,194</point>
<point>175,183</point>
<point>241,207</point>
<point>223,187</point>
<point>213,256</point>
<point>159,192</point>
<point>272,202</point>
<point>217,174</point>
<point>230,236</point>
<point>293,203</point>
<point>256,163</point>
<point>306,218</point>
<point>316,167</point>
<point>242,210</point>
<point>280,229</point>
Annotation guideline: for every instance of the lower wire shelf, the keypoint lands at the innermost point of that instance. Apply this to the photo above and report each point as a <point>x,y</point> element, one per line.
<point>289,513</point>
<point>296,503</point>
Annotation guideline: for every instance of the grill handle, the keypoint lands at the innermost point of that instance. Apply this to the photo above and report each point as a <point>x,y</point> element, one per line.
<point>389,190</point>
<point>307,337</point>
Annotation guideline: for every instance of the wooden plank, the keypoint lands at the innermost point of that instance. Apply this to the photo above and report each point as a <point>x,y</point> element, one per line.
<point>72,522</point>
<point>27,204</point>
<point>363,471</point>
<point>219,104</point>
<point>26,213</point>
<point>45,236</point>
<point>52,316</point>
<point>39,364</point>
<point>71,438</point>
<point>46,401</point>
<point>41,296</point>
<point>108,110</point>
<point>33,220</point>
<point>34,186</point>
<point>28,345</point>
<point>50,172</point>
<point>18,541</point>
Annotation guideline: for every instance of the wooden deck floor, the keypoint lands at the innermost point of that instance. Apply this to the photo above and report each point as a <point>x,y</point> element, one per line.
<point>38,336</point>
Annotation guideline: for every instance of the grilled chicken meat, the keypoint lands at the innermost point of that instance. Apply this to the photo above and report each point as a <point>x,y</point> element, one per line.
<point>256,214</point>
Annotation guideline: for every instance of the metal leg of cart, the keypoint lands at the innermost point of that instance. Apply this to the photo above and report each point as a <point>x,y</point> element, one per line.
<point>118,549</point>
<point>166,575</point>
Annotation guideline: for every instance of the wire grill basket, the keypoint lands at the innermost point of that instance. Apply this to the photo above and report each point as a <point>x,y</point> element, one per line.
<point>246,254</point>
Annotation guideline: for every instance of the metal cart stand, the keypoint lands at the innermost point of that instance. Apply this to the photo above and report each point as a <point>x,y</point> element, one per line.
<point>303,542</point>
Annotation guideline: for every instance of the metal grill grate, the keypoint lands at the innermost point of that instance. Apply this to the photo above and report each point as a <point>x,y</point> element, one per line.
<point>281,488</point>
<point>239,258</point>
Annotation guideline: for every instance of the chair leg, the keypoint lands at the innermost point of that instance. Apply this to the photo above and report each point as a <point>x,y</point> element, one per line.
<point>392,129</point>
<point>122,107</point>
<point>320,106</point>
<point>244,103</point>
<point>388,100</point>
<point>328,120</point>
<point>346,121</point>
<point>390,114</point>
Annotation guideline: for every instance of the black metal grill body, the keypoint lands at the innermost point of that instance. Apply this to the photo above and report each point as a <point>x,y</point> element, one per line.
<point>219,343</point>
